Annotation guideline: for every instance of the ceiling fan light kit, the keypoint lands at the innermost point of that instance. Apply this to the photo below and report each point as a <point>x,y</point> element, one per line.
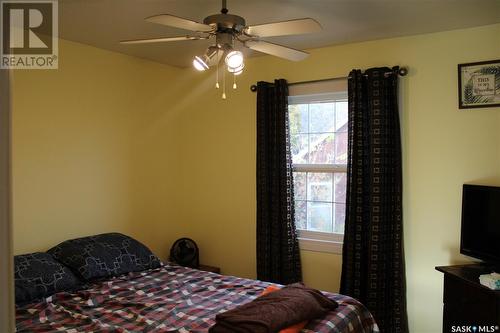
<point>234,60</point>
<point>201,64</point>
<point>228,29</point>
<point>236,70</point>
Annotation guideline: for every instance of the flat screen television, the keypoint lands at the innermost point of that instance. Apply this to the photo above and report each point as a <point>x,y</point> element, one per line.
<point>480,235</point>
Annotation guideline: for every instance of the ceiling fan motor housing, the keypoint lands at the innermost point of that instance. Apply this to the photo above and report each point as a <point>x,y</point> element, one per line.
<point>224,41</point>
<point>226,22</point>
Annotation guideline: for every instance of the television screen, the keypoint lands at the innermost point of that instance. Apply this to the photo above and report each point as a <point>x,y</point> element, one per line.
<point>480,236</point>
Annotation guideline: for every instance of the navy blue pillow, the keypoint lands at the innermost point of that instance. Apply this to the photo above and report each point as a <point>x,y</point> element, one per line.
<point>38,275</point>
<point>104,255</point>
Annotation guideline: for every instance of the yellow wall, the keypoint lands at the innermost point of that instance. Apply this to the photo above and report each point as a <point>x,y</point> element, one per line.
<point>76,133</point>
<point>110,142</point>
<point>443,148</point>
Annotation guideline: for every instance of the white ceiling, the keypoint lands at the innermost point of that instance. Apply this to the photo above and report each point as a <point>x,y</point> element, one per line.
<point>102,23</point>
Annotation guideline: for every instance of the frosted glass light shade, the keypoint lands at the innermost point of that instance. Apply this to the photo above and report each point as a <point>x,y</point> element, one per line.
<point>234,59</point>
<point>200,64</point>
<point>237,70</point>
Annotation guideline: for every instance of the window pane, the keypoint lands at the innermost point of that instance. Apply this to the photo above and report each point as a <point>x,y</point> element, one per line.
<point>322,148</point>
<point>299,185</point>
<point>299,122</point>
<point>340,187</point>
<point>301,214</point>
<point>318,132</point>
<point>341,148</point>
<point>319,186</point>
<point>321,117</point>
<point>339,218</point>
<point>319,216</point>
<point>299,148</point>
<point>341,114</point>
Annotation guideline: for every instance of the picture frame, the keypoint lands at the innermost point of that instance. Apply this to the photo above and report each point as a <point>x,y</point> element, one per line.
<point>479,84</point>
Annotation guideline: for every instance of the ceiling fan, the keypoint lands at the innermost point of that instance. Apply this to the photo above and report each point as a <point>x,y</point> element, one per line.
<point>229,30</point>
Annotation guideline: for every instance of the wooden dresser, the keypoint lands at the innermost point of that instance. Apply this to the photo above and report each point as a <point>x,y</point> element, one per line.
<point>466,301</point>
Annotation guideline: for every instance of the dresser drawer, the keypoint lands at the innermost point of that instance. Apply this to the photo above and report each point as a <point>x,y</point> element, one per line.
<point>457,292</point>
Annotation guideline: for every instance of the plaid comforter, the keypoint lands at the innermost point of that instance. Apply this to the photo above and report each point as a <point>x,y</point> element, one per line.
<point>168,299</point>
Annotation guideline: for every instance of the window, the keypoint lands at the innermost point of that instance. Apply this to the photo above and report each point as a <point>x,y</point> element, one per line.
<point>318,133</point>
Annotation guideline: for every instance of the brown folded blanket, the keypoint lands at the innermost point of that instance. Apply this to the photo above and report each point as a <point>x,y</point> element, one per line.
<point>275,311</point>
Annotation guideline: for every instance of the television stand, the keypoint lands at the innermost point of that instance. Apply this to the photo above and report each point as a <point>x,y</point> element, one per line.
<point>466,301</point>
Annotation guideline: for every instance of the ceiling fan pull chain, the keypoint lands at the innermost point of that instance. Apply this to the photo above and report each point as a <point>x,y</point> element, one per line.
<point>234,81</point>
<point>217,72</point>
<point>224,85</point>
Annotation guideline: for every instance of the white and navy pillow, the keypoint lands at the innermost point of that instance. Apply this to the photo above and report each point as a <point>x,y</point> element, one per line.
<point>38,275</point>
<point>104,255</point>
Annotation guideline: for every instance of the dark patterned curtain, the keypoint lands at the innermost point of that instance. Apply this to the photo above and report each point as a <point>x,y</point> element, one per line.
<point>373,260</point>
<point>278,256</point>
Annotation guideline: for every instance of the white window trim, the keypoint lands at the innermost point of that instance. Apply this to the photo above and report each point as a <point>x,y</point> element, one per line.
<point>320,241</point>
<point>319,168</point>
<point>318,98</point>
<point>314,240</point>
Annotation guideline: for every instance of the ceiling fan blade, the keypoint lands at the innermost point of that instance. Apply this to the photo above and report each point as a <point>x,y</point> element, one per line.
<point>276,50</point>
<point>292,27</point>
<point>161,39</point>
<point>179,22</point>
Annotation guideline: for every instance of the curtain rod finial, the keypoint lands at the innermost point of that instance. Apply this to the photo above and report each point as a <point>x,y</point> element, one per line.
<point>403,71</point>
<point>253,88</point>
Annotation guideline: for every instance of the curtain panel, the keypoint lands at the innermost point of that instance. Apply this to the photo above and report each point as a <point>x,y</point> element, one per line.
<point>278,256</point>
<point>373,260</point>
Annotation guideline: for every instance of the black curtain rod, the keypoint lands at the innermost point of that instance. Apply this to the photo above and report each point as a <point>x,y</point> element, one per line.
<point>403,71</point>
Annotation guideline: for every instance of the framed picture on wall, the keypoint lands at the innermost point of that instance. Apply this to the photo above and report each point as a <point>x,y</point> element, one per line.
<point>479,84</point>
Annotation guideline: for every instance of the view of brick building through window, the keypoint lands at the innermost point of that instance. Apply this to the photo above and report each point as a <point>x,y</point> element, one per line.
<point>318,133</point>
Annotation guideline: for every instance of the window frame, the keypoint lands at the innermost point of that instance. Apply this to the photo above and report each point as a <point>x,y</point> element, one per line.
<point>309,240</point>
<point>329,242</point>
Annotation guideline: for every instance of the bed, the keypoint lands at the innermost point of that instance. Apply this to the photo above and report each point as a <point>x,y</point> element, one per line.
<point>169,298</point>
